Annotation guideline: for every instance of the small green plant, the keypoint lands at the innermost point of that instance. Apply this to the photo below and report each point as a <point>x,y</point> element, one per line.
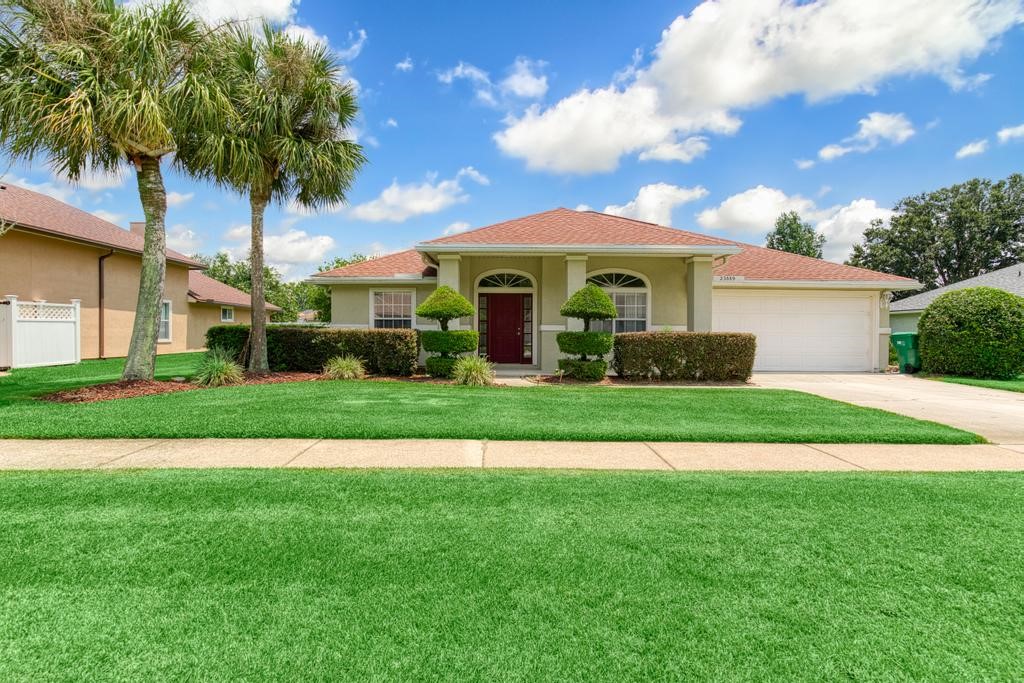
<point>445,305</point>
<point>589,303</point>
<point>344,367</point>
<point>440,366</point>
<point>473,371</point>
<point>218,368</point>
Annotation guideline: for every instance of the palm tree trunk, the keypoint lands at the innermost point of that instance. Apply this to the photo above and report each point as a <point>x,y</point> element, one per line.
<point>141,360</point>
<point>258,332</point>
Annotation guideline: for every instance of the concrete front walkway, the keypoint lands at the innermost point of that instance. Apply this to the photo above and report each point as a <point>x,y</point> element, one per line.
<point>203,453</point>
<point>996,415</point>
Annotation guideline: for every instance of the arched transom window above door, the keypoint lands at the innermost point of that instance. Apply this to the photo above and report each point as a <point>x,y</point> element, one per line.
<point>510,280</point>
<point>631,296</point>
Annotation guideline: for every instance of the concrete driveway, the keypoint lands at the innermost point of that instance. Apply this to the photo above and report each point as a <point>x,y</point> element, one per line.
<point>996,415</point>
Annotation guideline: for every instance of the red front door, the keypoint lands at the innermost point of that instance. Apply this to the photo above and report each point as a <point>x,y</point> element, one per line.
<point>505,328</point>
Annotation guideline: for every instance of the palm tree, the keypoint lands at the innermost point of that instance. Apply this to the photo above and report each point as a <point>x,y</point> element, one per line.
<point>289,140</point>
<point>95,84</point>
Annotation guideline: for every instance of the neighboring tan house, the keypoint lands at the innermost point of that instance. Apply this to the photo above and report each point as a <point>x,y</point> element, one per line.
<point>808,314</point>
<point>55,252</point>
<point>905,313</point>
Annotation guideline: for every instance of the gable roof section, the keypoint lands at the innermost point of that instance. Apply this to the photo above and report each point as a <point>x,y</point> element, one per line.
<point>406,264</point>
<point>205,289</point>
<point>43,214</point>
<point>1010,279</point>
<point>561,227</point>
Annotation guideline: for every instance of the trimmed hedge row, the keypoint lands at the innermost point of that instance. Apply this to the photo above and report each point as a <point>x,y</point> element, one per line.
<point>585,343</point>
<point>306,349</point>
<point>446,342</point>
<point>695,356</point>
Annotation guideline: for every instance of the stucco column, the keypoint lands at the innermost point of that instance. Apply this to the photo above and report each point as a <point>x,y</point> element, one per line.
<point>575,280</point>
<point>698,294</point>
<point>448,274</point>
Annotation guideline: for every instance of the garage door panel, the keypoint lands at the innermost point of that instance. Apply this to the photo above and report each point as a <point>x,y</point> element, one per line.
<point>800,331</point>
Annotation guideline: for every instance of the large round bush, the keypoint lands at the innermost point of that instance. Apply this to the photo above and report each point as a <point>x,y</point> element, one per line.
<point>975,332</point>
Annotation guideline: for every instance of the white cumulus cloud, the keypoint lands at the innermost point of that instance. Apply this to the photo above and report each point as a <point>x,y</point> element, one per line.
<point>873,130</point>
<point>526,79</point>
<point>731,55</point>
<point>179,198</point>
<point>1010,133</point>
<point>399,202</point>
<point>184,239</point>
<point>972,149</point>
<point>456,228</point>
<point>109,216</point>
<point>686,151</point>
<point>804,164</point>
<point>405,65</point>
<point>654,203</point>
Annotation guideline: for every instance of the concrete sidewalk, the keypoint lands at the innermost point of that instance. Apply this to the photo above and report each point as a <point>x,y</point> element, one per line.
<point>315,453</point>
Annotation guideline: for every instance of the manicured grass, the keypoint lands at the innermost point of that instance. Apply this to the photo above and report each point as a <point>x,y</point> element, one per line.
<point>380,410</point>
<point>320,575</point>
<point>1004,384</point>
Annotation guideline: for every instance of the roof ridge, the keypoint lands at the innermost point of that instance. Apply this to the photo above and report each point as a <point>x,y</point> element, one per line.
<point>493,225</point>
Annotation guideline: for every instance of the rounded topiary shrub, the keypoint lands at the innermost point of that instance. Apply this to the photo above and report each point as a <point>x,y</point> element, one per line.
<point>589,303</point>
<point>447,342</point>
<point>975,332</point>
<point>584,343</point>
<point>585,370</point>
<point>440,366</point>
<point>443,305</point>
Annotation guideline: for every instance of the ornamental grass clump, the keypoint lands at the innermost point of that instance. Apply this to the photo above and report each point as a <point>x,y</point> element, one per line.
<point>974,332</point>
<point>344,367</point>
<point>473,371</point>
<point>445,305</point>
<point>217,369</point>
<point>587,304</point>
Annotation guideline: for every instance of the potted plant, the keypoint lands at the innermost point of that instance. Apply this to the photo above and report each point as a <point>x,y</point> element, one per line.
<point>445,305</point>
<point>589,303</point>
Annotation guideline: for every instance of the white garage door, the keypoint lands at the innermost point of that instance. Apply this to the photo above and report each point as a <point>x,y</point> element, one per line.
<point>801,331</point>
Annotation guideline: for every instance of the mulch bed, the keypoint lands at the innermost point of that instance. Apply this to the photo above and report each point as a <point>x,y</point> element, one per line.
<point>137,388</point>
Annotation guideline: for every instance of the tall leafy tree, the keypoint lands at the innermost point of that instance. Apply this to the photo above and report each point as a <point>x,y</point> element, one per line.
<point>289,140</point>
<point>793,235</point>
<point>93,84</point>
<point>949,235</point>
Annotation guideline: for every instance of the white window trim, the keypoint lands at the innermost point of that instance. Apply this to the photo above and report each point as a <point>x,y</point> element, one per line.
<point>227,309</point>
<point>170,322</point>
<point>646,289</point>
<point>374,290</point>
<point>532,289</point>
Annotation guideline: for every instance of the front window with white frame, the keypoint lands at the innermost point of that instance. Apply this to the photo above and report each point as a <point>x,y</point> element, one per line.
<point>227,314</point>
<point>630,295</point>
<point>392,309</point>
<point>165,321</point>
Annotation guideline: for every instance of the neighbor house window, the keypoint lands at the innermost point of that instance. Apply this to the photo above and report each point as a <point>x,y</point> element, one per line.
<point>227,314</point>
<point>165,322</point>
<point>392,310</point>
<point>629,293</point>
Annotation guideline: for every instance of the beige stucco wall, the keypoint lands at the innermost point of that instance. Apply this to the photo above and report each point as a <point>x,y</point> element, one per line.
<point>202,317</point>
<point>904,322</point>
<point>37,267</point>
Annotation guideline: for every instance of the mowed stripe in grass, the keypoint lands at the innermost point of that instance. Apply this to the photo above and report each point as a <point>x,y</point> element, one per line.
<point>510,576</point>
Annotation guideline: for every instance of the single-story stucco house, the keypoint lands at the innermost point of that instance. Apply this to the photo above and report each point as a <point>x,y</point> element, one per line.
<point>808,314</point>
<point>57,253</point>
<point>905,313</point>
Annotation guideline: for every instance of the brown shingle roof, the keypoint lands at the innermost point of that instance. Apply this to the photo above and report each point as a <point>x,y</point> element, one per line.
<point>567,227</point>
<point>41,213</point>
<point>406,263</point>
<point>207,290</point>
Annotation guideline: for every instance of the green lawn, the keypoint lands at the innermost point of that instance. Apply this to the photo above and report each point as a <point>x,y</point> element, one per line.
<point>1004,384</point>
<point>406,410</point>
<point>334,575</point>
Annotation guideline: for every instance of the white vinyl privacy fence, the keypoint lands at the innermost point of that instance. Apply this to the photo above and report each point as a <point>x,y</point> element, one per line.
<point>35,333</point>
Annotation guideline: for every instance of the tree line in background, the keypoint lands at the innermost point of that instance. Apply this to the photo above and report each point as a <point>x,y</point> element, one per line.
<point>94,84</point>
<point>292,297</point>
<point>937,238</point>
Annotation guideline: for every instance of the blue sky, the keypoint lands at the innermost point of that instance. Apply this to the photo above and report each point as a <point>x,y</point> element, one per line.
<point>692,114</point>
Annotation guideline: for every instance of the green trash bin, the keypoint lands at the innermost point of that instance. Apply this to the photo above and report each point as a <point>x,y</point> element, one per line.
<point>908,351</point>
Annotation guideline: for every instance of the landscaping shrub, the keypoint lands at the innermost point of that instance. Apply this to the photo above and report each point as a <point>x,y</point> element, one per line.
<point>473,371</point>
<point>444,305</point>
<point>695,356</point>
<point>217,369</point>
<point>307,349</point>
<point>589,303</point>
<point>585,343</point>
<point>440,366</point>
<point>584,370</point>
<point>344,367</point>
<point>975,332</point>
<point>447,342</point>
